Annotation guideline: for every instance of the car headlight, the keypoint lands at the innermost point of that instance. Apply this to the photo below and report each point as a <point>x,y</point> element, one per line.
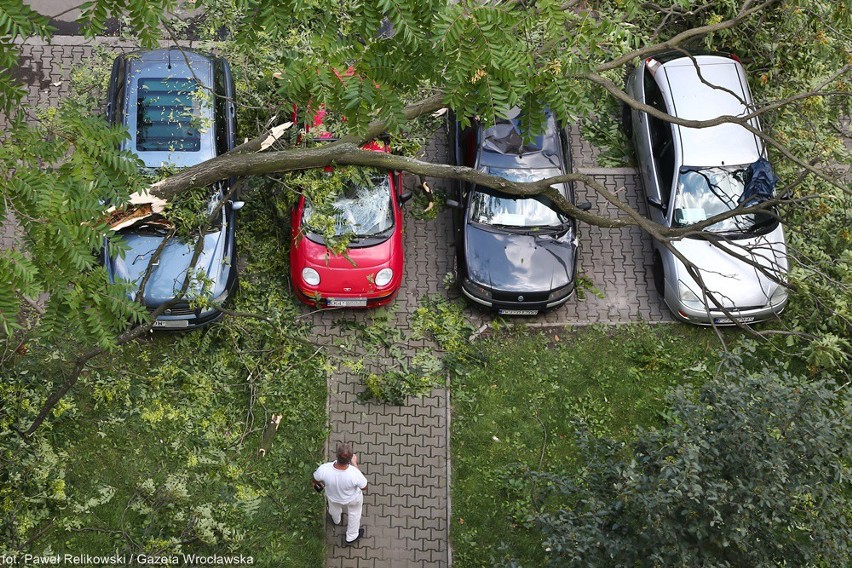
<point>560,293</point>
<point>779,296</point>
<point>383,277</point>
<point>688,297</point>
<point>220,299</point>
<point>476,289</point>
<point>310,276</point>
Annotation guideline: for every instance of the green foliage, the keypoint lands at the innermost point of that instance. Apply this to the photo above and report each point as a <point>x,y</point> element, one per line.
<point>381,339</point>
<point>63,170</point>
<point>603,129</point>
<point>394,387</point>
<point>142,17</point>
<point>155,451</point>
<point>33,489</point>
<point>751,470</point>
<point>17,22</point>
<point>189,211</point>
<point>821,273</point>
<point>445,323</point>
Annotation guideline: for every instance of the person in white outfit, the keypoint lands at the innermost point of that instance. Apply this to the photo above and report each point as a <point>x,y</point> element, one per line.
<point>344,486</point>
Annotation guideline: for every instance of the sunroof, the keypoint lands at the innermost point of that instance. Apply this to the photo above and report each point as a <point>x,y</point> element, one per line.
<point>167,116</point>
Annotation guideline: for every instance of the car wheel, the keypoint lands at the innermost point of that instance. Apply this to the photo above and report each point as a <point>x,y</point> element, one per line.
<point>659,274</point>
<point>626,121</point>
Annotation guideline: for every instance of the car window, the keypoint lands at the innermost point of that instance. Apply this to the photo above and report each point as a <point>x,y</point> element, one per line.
<point>118,117</point>
<point>664,155</point>
<point>363,209</point>
<point>488,207</point>
<point>662,141</point>
<point>168,112</point>
<point>705,192</point>
<point>221,106</point>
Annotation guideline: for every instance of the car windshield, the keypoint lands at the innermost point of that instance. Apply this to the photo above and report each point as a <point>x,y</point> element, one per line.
<point>489,207</point>
<point>362,209</point>
<point>705,192</point>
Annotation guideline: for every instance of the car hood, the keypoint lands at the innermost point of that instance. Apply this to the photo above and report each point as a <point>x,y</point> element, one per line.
<point>515,262</point>
<point>167,277</point>
<point>380,254</point>
<point>736,283</point>
<point>355,271</point>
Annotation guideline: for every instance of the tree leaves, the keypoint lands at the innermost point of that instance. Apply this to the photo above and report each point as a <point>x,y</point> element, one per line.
<point>143,17</point>
<point>61,174</point>
<point>752,470</point>
<point>17,22</point>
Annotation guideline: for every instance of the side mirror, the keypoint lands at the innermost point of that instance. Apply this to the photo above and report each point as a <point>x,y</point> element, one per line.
<point>237,205</point>
<point>584,206</point>
<point>453,203</point>
<point>405,197</point>
<point>656,204</point>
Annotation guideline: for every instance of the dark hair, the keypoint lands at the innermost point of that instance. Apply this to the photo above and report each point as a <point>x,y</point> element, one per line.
<point>344,454</point>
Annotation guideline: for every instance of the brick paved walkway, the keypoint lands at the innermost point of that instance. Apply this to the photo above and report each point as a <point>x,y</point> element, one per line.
<point>406,511</point>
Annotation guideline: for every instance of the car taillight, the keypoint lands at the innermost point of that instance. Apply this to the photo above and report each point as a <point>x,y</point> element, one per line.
<point>735,58</point>
<point>652,65</point>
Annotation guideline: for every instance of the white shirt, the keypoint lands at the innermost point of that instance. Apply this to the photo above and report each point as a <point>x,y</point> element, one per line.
<point>341,486</point>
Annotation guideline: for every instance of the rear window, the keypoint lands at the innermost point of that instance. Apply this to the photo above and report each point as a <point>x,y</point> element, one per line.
<point>168,113</point>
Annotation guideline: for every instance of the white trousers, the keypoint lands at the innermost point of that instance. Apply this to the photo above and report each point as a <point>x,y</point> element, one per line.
<point>353,514</point>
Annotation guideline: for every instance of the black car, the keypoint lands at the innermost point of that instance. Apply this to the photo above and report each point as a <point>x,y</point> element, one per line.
<point>515,255</point>
<point>178,108</point>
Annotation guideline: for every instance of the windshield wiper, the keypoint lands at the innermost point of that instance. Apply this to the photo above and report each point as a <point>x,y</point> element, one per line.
<point>499,226</point>
<point>552,229</point>
<point>150,229</point>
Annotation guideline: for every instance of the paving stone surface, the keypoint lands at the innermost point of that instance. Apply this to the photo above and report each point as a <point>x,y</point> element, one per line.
<point>404,451</point>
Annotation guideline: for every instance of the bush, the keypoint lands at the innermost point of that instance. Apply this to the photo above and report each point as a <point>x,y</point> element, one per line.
<point>752,470</point>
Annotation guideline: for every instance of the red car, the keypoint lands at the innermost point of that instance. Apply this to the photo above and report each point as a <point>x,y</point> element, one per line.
<point>369,273</point>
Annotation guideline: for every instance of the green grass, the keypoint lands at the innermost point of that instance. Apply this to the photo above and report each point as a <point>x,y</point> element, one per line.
<point>514,414</point>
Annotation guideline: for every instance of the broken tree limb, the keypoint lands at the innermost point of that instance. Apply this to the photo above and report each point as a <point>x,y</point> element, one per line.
<point>268,434</point>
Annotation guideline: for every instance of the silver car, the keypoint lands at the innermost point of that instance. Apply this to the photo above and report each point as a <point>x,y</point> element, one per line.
<point>692,174</point>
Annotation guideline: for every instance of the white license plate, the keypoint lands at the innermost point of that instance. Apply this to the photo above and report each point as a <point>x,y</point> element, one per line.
<point>722,321</point>
<point>171,324</point>
<point>347,302</point>
<point>518,312</point>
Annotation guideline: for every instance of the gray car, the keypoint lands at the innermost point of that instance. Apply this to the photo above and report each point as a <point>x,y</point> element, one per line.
<point>692,174</point>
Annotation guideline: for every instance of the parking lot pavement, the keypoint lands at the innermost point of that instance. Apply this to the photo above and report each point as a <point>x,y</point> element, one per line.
<point>404,450</point>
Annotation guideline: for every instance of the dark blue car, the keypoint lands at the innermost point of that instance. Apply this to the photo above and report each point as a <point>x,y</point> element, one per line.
<point>178,108</point>
<point>515,255</point>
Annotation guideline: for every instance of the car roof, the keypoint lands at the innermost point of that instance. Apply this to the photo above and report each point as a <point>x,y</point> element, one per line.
<point>503,146</point>
<point>695,97</point>
<point>173,63</point>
